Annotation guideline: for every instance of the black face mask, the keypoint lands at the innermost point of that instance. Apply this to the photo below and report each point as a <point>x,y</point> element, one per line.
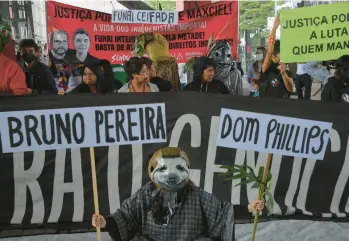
<point>28,57</point>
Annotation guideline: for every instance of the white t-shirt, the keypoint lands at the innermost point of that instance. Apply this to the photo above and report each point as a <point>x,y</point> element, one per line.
<point>301,69</point>
<point>125,88</point>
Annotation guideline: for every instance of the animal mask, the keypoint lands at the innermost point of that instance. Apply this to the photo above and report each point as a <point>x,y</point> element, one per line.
<point>169,169</point>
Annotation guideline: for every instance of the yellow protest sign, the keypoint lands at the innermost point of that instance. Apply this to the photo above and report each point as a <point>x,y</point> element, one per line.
<point>314,33</point>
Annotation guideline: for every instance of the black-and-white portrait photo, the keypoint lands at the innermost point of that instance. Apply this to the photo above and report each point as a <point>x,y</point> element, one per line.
<point>60,44</point>
<point>82,42</point>
<point>60,52</point>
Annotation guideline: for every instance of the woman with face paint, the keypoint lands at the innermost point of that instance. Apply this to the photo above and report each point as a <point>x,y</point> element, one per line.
<point>275,81</point>
<point>337,87</point>
<point>171,207</point>
<point>255,70</point>
<point>139,79</point>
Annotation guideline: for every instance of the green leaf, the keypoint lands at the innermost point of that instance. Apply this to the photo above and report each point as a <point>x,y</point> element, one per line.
<point>256,185</point>
<point>244,182</point>
<point>238,176</point>
<point>260,173</point>
<point>250,171</point>
<point>269,177</point>
<point>269,204</point>
<point>210,41</point>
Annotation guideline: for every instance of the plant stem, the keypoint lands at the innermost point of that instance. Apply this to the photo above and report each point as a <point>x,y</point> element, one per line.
<point>260,193</point>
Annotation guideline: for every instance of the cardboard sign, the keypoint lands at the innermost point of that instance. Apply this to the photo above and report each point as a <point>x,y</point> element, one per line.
<point>314,33</point>
<point>82,127</point>
<point>145,16</point>
<point>273,134</point>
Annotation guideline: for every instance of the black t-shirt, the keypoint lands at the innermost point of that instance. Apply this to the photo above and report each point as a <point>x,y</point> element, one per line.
<point>335,90</point>
<point>163,85</point>
<point>215,87</point>
<point>271,83</point>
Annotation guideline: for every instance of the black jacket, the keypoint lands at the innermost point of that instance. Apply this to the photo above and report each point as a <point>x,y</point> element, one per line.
<point>335,90</point>
<point>215,86</point>
<point>40,79</point>
<point>163,85</point>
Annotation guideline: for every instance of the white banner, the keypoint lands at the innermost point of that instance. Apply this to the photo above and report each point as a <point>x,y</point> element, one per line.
<point>145,16</point>
<point>273,134</point>
<point>82,127</point>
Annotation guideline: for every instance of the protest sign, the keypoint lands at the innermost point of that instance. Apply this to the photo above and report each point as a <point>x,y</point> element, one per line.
<point>76,32</point>
<point>315,33</point>
<point>83,127</point>
<point>52,189</point>
<point>145,16</point>
<point>273,134</point>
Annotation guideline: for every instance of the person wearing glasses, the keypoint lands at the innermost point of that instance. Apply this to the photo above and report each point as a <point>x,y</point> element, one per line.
<point>139,79</point>
<point>276,81</point>
<point>60,44</point>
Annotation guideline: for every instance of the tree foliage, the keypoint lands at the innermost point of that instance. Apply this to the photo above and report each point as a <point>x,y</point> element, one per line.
<point>254,14</point>
<point>165,5</point>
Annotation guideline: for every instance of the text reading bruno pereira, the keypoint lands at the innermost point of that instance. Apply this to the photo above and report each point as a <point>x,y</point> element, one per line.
<point>83,127</point>
<point>273,134</point>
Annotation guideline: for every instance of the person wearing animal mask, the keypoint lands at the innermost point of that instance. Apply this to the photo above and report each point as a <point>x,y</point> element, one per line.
<point>171,207</point>
<point>227,71</point>
<point>12,78</point>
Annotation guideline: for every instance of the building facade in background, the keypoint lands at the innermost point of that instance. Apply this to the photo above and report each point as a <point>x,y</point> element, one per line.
<point>19,15</point>
<point>28,18</point>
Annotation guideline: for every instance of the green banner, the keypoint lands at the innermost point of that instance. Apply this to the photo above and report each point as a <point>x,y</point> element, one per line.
<point>314,33</point>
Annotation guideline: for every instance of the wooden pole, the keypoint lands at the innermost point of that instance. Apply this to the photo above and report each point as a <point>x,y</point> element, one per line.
<point>95,189</point>
<point>260,193</point>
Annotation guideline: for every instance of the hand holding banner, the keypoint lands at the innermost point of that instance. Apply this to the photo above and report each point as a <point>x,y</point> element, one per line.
<point>272,134</point>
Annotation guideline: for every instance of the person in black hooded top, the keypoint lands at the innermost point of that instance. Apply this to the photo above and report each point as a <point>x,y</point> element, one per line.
<point>203,78</point>
<point>337,87</point>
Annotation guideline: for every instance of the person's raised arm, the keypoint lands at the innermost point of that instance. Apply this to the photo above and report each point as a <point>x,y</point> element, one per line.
<point>270,50</point>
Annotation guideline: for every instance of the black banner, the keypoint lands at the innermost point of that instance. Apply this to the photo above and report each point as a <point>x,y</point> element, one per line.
<point>53,189</point>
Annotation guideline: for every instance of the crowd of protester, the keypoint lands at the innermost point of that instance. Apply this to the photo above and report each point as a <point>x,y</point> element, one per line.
<point>267,76</point>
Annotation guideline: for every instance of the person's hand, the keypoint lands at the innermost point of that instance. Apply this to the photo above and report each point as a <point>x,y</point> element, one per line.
<point>30,91</point>
<point>61,92</point>
<point>276,23</point>
<point>282,68</point>
<point>98,221</point>
<point>256,205</point>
